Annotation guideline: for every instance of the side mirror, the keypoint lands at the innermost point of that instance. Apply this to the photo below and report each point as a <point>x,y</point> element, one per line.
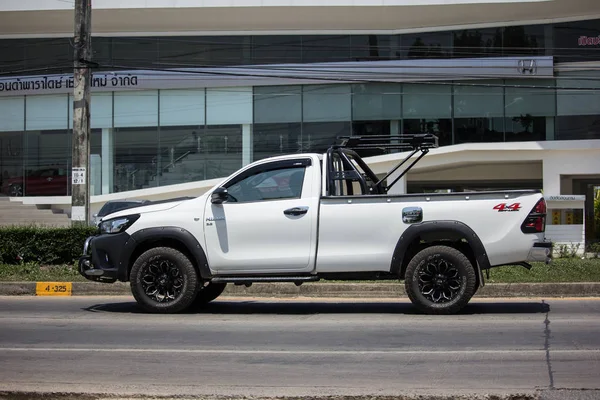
<point>219,196</point>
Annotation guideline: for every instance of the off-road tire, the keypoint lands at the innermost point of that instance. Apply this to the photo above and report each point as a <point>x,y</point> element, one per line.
<point>173,258</point>
<point>416,271</point>
<point>208,293</point>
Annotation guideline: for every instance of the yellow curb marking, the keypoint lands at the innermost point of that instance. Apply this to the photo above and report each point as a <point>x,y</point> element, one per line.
<point>53,288</point>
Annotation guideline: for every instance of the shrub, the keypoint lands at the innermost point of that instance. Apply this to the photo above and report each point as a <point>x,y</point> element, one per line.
<point>47,246</point>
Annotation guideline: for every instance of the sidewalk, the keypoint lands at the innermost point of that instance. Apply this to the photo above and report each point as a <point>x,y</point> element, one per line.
<point>373,290</point>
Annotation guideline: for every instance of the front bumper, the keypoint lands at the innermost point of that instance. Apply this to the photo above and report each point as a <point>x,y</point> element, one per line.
<point>102,258</point>
<point>541,252</point>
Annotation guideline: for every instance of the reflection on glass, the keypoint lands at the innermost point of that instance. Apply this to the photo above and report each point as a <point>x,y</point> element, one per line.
<point>276,139</point>
<point>47,162</point>
<point>525,128</point>
<point>195,153</point>
<point>135,158</point>
<point>474,43</point>
<point>578,127</point>
<point>319,136</point>
<point>441,127</point>
<point>469,130</point>
<point>11,163</point>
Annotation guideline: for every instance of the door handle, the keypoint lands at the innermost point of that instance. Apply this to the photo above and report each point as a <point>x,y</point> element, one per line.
<point>296,211</point>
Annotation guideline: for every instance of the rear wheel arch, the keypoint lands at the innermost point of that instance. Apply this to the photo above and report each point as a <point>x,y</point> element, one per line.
<point>450,233</point>
<point>173,237</point>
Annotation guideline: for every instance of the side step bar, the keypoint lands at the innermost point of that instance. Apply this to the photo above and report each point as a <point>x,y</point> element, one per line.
<point>249,280</point>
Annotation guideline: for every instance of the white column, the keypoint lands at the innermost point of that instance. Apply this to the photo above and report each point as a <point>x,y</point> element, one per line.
<point>551,176</point>
<point>247,144</point>
<point>400,186</point>
<point>108,152</point>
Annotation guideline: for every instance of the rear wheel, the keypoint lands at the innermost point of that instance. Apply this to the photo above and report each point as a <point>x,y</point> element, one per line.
<point>163,280</point>
<point>440,280</point>
<point>208,293</point>
<point>16,190</point>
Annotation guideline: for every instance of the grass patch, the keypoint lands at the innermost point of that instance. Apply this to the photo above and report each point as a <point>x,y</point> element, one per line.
<point>33,272</point>
<point>560,270</point>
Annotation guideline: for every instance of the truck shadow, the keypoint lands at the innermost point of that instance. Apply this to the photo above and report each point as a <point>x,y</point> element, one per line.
<point>298,307</point>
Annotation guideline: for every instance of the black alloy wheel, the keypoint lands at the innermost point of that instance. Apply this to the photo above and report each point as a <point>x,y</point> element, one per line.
<point>164,280</point>
<point>440,280</point>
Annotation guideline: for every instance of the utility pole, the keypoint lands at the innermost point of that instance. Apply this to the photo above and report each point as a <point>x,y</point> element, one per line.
<point>80,197</point>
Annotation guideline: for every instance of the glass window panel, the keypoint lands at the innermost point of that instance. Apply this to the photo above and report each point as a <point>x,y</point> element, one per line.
<point>370,47</point>
<point>228,50</point>
<point>102,52</point>
<point>322,48</point>
<point>578,93</point>
<point>136,159</point>
<point>319,136</point>
<point>276,49</point>
<point>227,106</point>
<point>183,51</point>
<point>100,110</point>
<point>47,112</point>
<point>181,107</point>
<point>578,127</point>
<point>134,51</point>
<point>427,101</point>
<point>523,40</point>
<point>47,161</point>
<point>12,113</point>
<point>469,130</point>
<point>136,108</point>
<point>275,139</point>
<point>524,128</point>
<point>530,97</point>
<point>12,55</point>
<point>426,45</point>
<point>479,99</point>
<point>376,101</point>
<point>55,52</point>
<point>577,41</point>
<point>222,149</point>
<point>182,157</point>
<point>11,162</point>
<point>326,103</point>
<point>441,127</point>
<point>473,43</point>
<point>277,104</point>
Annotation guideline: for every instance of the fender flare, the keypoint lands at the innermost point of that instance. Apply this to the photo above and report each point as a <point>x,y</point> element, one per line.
<point>440,230</point>
<point>155,234</point>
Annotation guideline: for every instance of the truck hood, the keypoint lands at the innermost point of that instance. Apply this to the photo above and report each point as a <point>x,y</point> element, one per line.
<point>160,205</point>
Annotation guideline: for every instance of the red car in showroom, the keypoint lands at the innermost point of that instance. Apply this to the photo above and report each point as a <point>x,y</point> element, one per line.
<point>42,182</point>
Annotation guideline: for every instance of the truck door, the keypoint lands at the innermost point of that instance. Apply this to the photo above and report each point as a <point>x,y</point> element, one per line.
<point>268,222</point>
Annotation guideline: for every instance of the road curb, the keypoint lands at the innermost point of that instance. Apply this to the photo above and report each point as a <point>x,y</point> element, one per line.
<point>330,289</point>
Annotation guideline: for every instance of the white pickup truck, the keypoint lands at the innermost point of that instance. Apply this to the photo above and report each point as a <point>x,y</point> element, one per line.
<point>304,217</point>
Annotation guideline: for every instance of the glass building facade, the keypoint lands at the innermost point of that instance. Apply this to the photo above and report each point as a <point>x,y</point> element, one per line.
<point>150,138</point>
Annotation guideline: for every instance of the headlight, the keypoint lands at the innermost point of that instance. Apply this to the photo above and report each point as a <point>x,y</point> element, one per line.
<point>118,225</point>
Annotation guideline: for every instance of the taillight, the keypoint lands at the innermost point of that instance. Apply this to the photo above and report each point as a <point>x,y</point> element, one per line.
<point>536,220</point>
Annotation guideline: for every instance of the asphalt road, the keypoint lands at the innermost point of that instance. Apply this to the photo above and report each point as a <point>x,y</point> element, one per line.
<point>261,347</point>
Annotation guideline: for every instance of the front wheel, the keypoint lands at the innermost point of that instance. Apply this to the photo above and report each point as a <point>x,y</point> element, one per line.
<point>440,280</point>
<point>163,280</point>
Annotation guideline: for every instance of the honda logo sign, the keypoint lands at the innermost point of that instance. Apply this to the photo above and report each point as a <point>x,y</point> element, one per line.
<point>527,67</point>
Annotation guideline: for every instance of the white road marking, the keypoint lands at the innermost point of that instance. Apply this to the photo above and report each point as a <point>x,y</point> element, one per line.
<point>297,352</point>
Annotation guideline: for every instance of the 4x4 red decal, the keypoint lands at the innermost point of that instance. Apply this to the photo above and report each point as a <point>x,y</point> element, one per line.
<point>503,207</point>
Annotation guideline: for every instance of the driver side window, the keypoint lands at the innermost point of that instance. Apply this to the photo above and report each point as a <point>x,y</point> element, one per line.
<point>269,184</point>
